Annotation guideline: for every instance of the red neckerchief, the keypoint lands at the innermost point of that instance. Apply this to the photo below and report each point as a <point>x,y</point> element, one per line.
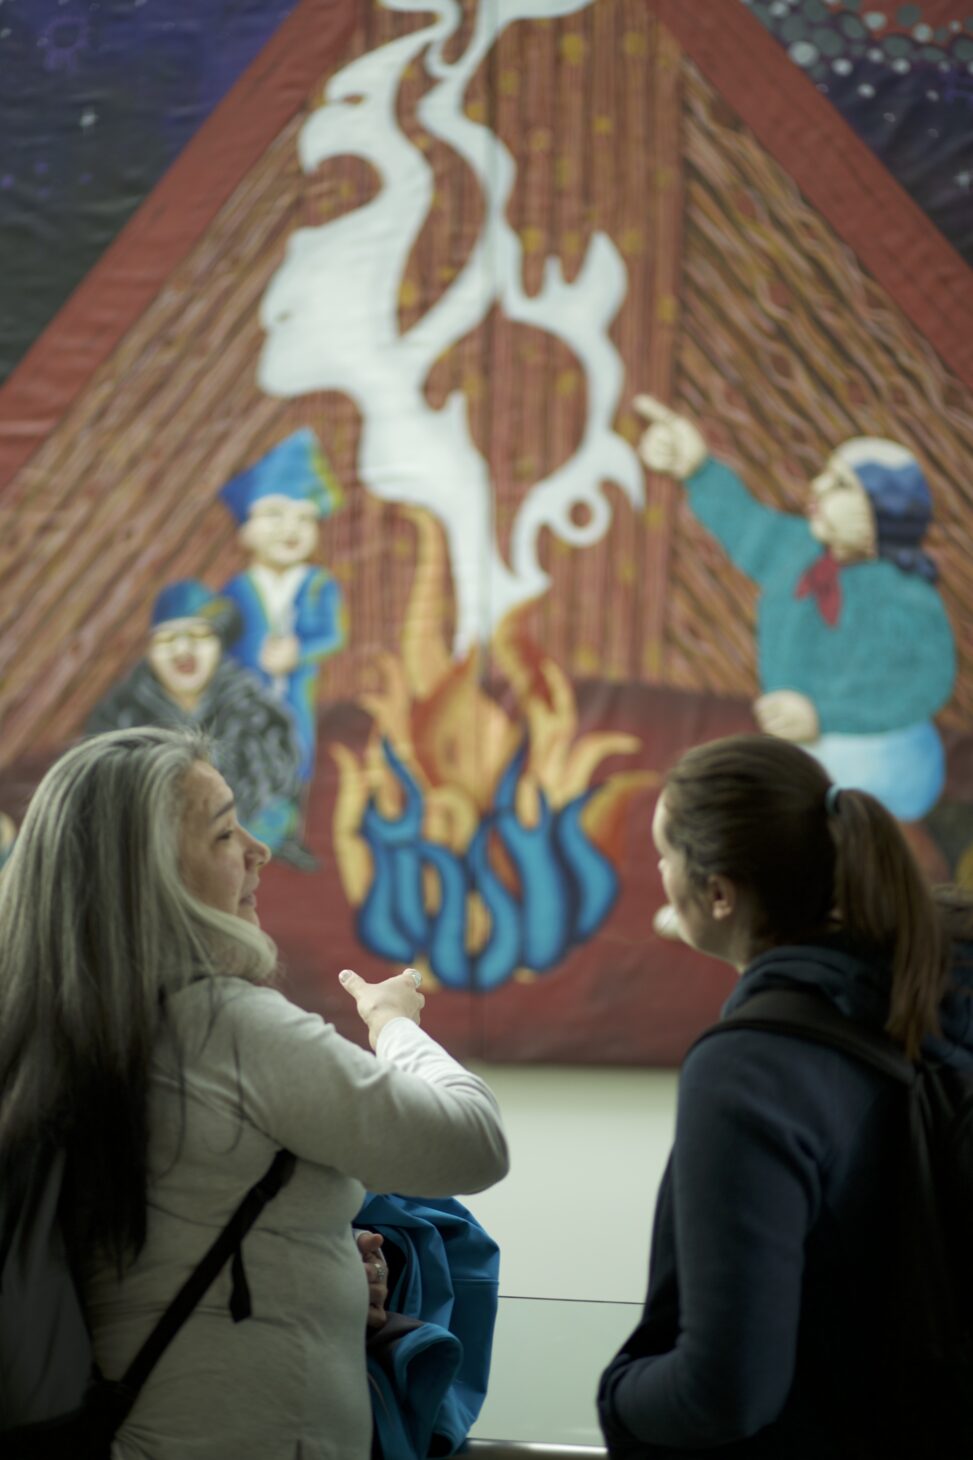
<point>821,579</point>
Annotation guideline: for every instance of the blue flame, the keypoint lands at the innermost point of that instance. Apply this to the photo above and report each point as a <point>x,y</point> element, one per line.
<point>594,879</point>
<point>446,949</point>
<point>393,916</point>
<point>377,922</point>
<point>502,952</point>
<point>567,887</point>
<point>545,892</point>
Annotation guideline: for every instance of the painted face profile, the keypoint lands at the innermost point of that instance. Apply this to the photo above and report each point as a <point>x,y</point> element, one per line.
<point>300,353</point>
<point>840,513</point>
<point>183,654</point>
<point>281,532</point>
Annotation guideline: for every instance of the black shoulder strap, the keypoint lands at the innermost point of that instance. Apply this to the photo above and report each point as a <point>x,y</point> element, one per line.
<point>226,1246</point>
<point>806,1015</point>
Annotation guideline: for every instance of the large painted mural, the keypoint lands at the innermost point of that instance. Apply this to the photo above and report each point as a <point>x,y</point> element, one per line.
<point>460,409</point>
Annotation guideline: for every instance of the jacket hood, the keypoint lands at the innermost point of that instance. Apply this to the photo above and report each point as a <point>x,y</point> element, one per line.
<point>860,989</point>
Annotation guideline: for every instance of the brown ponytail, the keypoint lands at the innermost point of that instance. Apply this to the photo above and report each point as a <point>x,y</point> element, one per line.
<point>885,905</point>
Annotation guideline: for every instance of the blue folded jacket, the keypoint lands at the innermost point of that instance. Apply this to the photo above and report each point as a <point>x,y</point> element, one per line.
<point>429,1366</point>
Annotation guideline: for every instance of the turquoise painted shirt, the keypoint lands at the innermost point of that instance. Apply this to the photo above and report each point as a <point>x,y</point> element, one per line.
<point>888,662</point>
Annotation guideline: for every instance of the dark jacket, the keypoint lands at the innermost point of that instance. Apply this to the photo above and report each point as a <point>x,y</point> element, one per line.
<point>765,1326</point>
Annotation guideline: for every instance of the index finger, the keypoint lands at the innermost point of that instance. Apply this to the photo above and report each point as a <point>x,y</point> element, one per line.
<point>653,409</point>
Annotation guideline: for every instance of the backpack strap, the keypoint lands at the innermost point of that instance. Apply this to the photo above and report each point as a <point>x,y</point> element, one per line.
<point>806,1015</point>
<point>121,1394</point>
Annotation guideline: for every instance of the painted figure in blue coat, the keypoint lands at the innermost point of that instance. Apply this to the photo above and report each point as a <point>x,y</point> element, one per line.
<point>291,608</point>
<point>855,650</point>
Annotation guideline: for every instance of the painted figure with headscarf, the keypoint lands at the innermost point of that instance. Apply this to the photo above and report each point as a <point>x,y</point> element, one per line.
<point>855,651</point>
<point>291,609</point>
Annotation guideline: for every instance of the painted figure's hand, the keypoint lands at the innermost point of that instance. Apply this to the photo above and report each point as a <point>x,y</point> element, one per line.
<point>378,1003</point>
<point>672,444</point>
<point>377,1273</point>
<point>788,715</point>
<point>279,653</point>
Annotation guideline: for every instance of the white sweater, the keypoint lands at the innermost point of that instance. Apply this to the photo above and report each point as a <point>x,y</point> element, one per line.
<point>290,1381</point>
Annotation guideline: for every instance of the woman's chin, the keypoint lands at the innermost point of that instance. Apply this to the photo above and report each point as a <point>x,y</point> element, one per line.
<point>665,924</point>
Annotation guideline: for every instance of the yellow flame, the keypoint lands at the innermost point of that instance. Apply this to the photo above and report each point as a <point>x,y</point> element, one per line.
<point>457,740</point>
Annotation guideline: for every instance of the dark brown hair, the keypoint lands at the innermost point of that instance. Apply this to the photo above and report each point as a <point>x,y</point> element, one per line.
<point>757,810</point>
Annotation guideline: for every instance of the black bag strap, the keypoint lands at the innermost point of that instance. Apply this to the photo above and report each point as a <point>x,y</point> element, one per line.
<point>806,1015</point>
<point>225,1247</point>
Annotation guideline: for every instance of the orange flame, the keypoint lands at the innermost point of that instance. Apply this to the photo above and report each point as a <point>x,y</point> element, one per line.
<point>457,740</point>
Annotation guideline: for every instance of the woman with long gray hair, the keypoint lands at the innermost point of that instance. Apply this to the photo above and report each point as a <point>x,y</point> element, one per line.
<point>141,1035</point>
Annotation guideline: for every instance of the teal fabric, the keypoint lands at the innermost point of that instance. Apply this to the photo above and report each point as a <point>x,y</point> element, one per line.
<point>428,1393</point>
<point>409,1382</point>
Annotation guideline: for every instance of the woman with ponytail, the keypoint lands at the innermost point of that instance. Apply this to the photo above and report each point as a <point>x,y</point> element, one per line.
<point>765,1325</point>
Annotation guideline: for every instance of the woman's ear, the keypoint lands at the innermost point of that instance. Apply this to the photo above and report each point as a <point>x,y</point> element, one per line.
<point>722,894</point>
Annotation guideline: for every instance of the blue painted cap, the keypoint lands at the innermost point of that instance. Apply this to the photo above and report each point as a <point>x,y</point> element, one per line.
<point>191,599</point>
<point>296,467</point>
<point>901,500</point>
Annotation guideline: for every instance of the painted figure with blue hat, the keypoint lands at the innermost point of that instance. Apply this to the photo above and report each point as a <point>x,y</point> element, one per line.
<point>291,609</point>
<point>855,650</point>
<point>186,682</point>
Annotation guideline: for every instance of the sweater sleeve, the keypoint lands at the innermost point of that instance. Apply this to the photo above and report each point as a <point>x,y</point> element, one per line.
<point>409,1119</point>
<point>745,1190</point>
<point>894,665</point>
<point>763,542</point>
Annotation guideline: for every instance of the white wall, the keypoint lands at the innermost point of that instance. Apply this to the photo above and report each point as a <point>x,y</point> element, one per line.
<point>573,1220</point>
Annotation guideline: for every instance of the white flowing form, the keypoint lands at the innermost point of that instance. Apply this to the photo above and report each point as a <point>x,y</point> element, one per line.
<point>330,315</point>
